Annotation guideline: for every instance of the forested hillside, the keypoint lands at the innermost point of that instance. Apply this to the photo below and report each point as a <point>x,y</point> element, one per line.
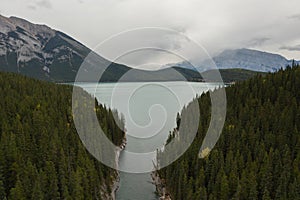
<point>258,153</point>
<point>234,75</point>
<point>41,155</point>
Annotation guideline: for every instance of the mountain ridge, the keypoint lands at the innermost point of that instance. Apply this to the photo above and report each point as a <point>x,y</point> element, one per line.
<point>41,52</point>
<point>38,51</point>
<point>243,58</point>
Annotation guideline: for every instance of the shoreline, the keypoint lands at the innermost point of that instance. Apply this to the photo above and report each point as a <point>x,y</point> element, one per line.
<point>115,184</point>
<point>160,186</point>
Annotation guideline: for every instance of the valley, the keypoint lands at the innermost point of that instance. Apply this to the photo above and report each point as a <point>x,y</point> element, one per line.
<point>46,154</point>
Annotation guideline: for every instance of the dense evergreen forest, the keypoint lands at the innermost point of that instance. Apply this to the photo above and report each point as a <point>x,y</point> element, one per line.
<point>258,153</point>
<point>235,74</point>
<point>41,155</point>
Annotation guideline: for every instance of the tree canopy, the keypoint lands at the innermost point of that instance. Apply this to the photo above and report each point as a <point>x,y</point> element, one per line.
<point>258,153</point>
<point>41,155</point>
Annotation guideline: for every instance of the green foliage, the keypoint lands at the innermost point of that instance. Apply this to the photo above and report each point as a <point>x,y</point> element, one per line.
<point>233,75</point>
<point>41,155</point>
<point>258,153</point>
<point>228,75</point>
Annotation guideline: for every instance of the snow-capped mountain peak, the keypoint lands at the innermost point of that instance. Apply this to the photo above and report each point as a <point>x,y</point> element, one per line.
<point>41,52</point>
<point>250,59</point>
<point>35,29</point>
<point>244,59</point>
<point>32,48</point>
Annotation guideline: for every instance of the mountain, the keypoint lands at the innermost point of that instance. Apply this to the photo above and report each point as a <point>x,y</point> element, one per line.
<point>43,53</point>
<point>168,74</point>
<point>251,60</point>
<point>243,59</point>
<point>183,74</point>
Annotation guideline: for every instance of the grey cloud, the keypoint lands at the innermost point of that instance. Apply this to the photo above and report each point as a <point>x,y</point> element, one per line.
<point>291,48</point>
<point>297,17</point>
<point>215,25</point>
<point>170,42</point>
<point>256,42</point>
<point>31,7</point>
<point>179,28</point>
<point>44,4</point>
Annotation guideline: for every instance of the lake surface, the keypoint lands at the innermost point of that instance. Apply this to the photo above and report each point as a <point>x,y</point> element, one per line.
<point>150,110</point>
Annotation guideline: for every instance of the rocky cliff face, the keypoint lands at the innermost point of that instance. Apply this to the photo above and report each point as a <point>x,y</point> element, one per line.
<point>41,52</point>
<point>251,60</point>
<point>242,59</point>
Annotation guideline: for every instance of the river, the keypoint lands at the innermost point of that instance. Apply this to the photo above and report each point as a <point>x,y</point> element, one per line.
<point>150,110</point>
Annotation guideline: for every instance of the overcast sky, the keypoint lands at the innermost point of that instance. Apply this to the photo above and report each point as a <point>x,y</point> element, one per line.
<point>268,25</point>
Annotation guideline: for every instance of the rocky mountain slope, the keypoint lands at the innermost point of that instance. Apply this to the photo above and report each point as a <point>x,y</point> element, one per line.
<point>41,52</point>
<point>243,59</point>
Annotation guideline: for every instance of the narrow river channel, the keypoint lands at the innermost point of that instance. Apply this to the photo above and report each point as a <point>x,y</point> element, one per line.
<point>150,111</point>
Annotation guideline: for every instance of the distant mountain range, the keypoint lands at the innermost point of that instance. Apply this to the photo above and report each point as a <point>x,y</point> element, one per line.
<point>46,54</point>
<point>242,59</point>
<point>41,52</point>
